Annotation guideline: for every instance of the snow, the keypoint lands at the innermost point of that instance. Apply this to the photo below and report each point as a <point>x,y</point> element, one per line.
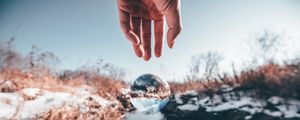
<point>15,105</point>
<point>252,110</point>
<point>178,99</point>
<point>143,116</point>
<point>178,95</point>
<point>226,88</point>
<point>273,113</point>
<point>31,91</point>
<point>8,104</point>
<point>101,101</point>
<point>189,107</point>
<point>290,110</point>
<point>248,117</point>
<point>244,103</point>
<point>43,104</point>
<point>275,100</point>
<point>29,109</point>
<point>191,92</point>
<point>234,104</point>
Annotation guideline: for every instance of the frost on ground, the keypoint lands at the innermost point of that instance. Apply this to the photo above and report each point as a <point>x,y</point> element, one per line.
<point>143,116</point>
<point>32,103</point>
<point>230,105</point>
<point>35,103</point>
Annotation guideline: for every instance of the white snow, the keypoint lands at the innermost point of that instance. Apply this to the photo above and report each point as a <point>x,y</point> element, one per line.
<point>143,116</point>
<point>226,88</point>
<point>244,103</point>
<point>8,104</point>
<point>290,110</point>
<point>191,92</point>
<point>43,103</point>
<point>252,110</point>
<point>30,109</point>
<point>248,117</point>
<point>273,113</point>
<point>234,104</point>
<point>31,91</point>
<point>178,99</point>
<point>189,107</point>
<point>275,100</point>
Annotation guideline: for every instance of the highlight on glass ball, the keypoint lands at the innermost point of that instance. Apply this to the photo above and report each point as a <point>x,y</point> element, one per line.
<point>149,93</point>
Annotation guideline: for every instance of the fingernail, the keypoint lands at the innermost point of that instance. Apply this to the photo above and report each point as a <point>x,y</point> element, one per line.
<point>146,59</point>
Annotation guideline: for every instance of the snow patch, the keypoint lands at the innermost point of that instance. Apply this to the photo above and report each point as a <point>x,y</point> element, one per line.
<point>31,91</point>
<point>178,99</point>
<point>143,116</point>
<point>13,104</point>
<point>189,107</point>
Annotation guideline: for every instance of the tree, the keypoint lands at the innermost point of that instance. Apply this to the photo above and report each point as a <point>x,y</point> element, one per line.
<point>204,66</point>
<point>267,46</point>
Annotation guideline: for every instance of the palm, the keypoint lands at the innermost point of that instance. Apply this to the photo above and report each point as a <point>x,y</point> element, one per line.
<point>144,9</point>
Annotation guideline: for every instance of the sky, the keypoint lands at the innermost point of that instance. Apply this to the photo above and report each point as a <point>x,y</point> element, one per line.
<point>81,31</point>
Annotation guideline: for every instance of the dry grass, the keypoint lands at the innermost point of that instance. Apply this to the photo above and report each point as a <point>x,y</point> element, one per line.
<point>267,80</point>
<point>105,87</point>
<point>36,70</point>
<point>67,112</point>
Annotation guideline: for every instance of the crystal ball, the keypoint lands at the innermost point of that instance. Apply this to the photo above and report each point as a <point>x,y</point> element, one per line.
<point>149,93</point>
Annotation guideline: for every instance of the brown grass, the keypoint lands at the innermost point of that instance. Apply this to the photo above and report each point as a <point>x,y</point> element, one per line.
<point>66,112</point>
<point>267,80</point>
<point>105,87</point>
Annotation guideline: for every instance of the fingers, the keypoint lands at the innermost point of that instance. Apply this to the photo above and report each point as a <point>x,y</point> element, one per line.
<point>174,22</point>
<point>138,30</point>
<point>171,9</point>
<point>138,49</point>
<point>135,26</point>
<point>146,38</point>
<point>159,32</point>
<point>125,25</point>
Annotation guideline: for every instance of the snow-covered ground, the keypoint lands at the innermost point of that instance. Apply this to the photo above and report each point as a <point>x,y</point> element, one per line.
<point>248,104</point>
<point>229,100</point>
<point>30,103</point>
<point>226,106</point>
<point>144,116</point>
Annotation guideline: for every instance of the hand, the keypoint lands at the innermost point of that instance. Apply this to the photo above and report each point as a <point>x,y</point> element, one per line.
<point>135,20</point>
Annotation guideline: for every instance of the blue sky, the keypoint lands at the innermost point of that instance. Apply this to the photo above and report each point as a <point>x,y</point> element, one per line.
<point>79,31</point>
